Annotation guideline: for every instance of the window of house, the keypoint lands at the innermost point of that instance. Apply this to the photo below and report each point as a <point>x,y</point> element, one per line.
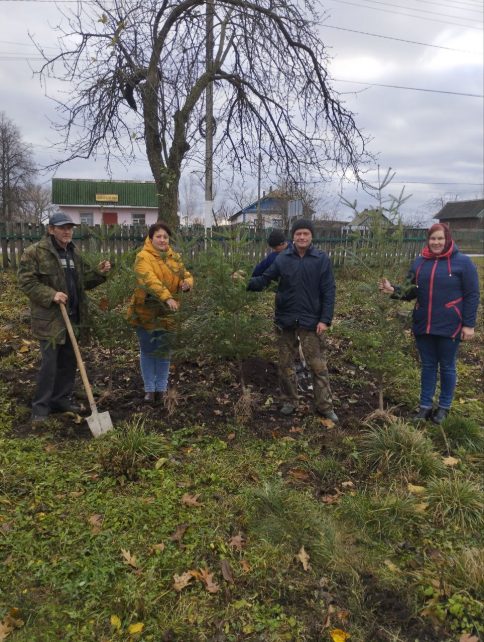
<point>138,219</point>
<point>87,218</point>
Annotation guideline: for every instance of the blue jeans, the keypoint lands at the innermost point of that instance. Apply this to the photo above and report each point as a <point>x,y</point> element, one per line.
<point>155,352</point>
<point>437,351</point>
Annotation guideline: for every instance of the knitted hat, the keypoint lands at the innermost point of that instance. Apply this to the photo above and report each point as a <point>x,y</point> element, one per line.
<point>302,224</point>
<point>275,238</point>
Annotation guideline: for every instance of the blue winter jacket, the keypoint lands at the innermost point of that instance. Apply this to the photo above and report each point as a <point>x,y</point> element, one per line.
<point>306,290</point>
<point>447,293</point>
<point>266,262</point>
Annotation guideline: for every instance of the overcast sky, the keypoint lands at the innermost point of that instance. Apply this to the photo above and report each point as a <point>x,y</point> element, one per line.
<point>411,71</point>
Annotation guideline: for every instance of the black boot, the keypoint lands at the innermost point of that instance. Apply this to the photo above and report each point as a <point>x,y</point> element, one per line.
<point>423,414</point>
<point>439,415</point>
<point>149,397</point>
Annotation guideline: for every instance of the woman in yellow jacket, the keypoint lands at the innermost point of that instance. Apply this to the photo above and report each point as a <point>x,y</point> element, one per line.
<point>160,274</point>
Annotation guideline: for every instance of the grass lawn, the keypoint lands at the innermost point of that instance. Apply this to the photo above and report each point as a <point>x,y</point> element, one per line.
<point>208,524</point>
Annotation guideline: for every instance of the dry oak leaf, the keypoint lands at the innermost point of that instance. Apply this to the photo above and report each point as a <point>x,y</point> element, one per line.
<point>416,490</point>
<point>303,557</point>
<point>191,500</point>
<point>299,473</point>
<point>245,566</point>
<point>158,548</point>
<point>182,581</point>
<point>327,423</point>
<point>330,499</point>
<point>450,461</point>
<point>96,522</point>
<point>237,541</point>
<point>10,622</point>
<point>226,571</point>
<point>207,578</point>
<point>180,531</point>
<point>129,559</point>
<point>467,637</point>
<point>338,635</point>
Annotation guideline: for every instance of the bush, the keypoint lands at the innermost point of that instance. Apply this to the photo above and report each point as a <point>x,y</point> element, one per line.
<point>399,448</point>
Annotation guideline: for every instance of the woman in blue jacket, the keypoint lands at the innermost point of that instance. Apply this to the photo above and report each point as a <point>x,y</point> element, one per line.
<point>444,282</point>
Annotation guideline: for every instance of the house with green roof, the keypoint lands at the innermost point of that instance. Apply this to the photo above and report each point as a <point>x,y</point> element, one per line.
<point>96,202</point>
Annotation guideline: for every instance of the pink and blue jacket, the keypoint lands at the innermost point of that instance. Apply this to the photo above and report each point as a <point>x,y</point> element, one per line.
<point>447,293</point>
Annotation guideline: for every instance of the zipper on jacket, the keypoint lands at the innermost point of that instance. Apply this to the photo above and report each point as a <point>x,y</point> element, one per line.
<point>431,293</point>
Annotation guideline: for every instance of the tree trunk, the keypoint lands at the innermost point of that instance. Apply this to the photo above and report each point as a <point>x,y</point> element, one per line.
<point>167,197</point>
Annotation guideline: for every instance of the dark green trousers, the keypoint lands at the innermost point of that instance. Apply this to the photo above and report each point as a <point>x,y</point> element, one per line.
<point>313,347</point>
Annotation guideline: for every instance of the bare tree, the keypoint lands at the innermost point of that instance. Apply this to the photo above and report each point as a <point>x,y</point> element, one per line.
<point>16,169</point>
<point>136,72</point>
<point>36,203</point>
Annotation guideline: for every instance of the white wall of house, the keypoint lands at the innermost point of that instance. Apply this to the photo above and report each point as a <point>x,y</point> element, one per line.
<point>95,214</point>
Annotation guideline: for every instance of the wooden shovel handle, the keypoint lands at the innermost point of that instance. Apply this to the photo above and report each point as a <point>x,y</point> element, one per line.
<point>80,362</point>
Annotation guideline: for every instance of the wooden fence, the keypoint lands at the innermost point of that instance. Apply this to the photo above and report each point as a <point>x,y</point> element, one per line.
<point>114,240</point>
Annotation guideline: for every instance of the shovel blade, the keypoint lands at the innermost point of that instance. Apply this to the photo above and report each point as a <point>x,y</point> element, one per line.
<point>99,423</point>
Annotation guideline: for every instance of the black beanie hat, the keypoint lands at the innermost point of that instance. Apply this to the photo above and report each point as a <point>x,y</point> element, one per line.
<point>302,224</point>
<point>276,237</point>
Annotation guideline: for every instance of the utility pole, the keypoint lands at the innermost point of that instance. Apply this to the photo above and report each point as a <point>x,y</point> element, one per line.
<point>259,168</point>
<point>209,118</point>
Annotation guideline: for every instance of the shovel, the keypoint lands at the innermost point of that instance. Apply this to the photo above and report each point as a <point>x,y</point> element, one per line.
<point>98,422</point>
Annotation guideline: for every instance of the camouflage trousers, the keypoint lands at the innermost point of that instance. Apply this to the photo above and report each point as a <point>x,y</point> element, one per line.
<point>313,347</point>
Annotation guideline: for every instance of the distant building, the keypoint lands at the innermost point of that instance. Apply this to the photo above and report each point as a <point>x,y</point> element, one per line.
<point>110,202</point>
<point>368,219</point>
<point>276,210</point>
<point>463,215</point>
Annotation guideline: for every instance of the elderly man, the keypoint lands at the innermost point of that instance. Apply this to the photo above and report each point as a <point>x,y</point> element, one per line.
<point>304,311</point>
<point>52,272</point>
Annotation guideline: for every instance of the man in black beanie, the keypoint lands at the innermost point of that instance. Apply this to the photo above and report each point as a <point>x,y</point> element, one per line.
<point>277,242</point>
<point>304,311</point>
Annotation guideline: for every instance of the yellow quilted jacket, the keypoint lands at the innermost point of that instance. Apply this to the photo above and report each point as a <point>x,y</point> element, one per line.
<point>159,275</point>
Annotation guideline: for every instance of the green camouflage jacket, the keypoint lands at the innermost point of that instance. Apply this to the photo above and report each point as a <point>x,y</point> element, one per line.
<point>40,276</point>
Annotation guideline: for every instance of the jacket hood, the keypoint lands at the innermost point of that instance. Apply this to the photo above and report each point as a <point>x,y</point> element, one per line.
<point>148,247</point>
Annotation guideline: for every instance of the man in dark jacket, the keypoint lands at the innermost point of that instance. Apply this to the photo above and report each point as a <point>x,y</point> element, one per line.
<point>304,311</point>
<point>277,242</point>
<point>52,272</point>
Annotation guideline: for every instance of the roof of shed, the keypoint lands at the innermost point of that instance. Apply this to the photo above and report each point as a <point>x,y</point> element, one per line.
<point>462,209</point>
<point>66,191</point>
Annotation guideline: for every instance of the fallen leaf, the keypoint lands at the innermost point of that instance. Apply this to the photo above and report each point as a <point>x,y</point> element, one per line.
<point>330,499</point>
<point>299,474</point>
<point>237,541</point>
<point>207,579</point>
<point>115,622</point>
<point>226,571</point>
<point>180,531</point>
<point>191,500</point>
<point>393,567</point>
<point>303,557</point>
<point>338,635</point>
<point>158,548</point>
<point>416,490</point>
<point>296,429</point>
<point>10,622</point>
<point>96,521</point>
<point>467,637</point>
<point>182,581</point>
<point>231,436</point>
<point>421,507</point>
<point>327,423</point>
<point>450,461</point>
<point>347,484</point>
<point>129,559</point>
<point>245,566</point>
<point>136,628</point>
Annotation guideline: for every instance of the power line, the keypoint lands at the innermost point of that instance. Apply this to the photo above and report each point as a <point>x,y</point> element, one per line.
<point>412,42</point>
<point>432,13</point>
<point>399,13</point>
<point>433,91</point>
